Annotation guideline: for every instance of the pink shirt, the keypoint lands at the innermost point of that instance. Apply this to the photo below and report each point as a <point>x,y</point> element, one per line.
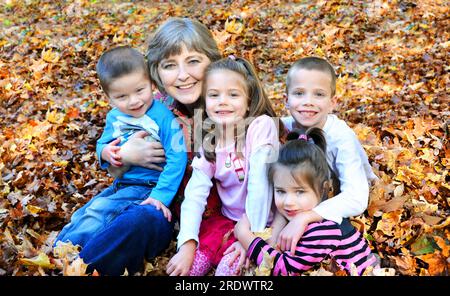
<point>233,191</point>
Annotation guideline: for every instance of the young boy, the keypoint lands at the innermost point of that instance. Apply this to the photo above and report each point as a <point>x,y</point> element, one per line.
<point>125,79</point>
<point>311,88</point>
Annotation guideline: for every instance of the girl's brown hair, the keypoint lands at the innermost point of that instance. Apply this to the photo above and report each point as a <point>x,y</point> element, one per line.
<point>259,103</point>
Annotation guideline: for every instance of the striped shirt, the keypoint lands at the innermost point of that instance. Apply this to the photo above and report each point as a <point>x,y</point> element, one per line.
<point>321,240</point>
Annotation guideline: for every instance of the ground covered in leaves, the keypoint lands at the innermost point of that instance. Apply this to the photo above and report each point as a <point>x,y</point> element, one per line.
<point>393,65</point>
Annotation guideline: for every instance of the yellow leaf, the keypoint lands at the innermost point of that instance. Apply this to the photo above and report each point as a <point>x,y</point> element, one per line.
<point>61,163</point>
<point>102,103</point>
<point>41,260</point>
<point>267,233</point>
<point>13,147</point>
<point>234,26</point>
<point>319,52</point>
<point>34,210</point>
<point>55,117</point>
<point>27,86</point>
<point>49,56</point>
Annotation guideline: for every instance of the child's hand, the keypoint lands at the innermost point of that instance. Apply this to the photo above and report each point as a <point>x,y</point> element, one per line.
<point>293,231</point>
<point>159,206</point>
<point>181,262</point>
<point>291,234</point>
<point>239,251</point>
<point>111,153</point>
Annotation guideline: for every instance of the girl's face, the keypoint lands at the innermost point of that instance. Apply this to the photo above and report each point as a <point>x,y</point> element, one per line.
<point>131,93</point>
<point>309,97</point>
<point>182,75</point>
<point>291,196</point>
<point>226,97</point>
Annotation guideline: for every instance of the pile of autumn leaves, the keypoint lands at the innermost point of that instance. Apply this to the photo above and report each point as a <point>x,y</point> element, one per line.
<point>393,91</point>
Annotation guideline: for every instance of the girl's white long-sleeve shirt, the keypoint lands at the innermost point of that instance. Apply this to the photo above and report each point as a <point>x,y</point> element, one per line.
<point>349,161</point>
<point>242,184</point>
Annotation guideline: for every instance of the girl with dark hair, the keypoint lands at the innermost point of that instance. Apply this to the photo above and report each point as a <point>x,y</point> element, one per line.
<point>301,179</point>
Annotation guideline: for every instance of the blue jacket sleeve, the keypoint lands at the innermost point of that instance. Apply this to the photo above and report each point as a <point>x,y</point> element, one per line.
<point>173,142</point>
<point>105,139</point>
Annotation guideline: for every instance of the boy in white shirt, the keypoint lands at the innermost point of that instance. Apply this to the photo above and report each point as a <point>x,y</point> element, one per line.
<point>311,88</point>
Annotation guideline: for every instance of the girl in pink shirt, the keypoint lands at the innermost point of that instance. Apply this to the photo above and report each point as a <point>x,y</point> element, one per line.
<point>240,139</point>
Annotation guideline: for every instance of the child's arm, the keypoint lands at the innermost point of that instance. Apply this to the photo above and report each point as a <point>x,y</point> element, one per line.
<point>290,235</point>
<point>278,223</point>
<point>349,158</point>
<point>181,262</point>
<point>285,263</point>
<point>176,157</point>
<point>108,150</point>
<point>194,203</point>
<point>262,139</point>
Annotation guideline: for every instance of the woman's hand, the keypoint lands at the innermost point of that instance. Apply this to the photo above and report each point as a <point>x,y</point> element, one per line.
<point>293,231</point>
<point>181,262</point>
<point>139,152</point>
<point>159,206</point>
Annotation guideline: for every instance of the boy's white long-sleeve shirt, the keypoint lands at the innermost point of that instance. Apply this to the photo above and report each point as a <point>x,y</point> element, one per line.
<point>349,161</point>
<point>252,196</point>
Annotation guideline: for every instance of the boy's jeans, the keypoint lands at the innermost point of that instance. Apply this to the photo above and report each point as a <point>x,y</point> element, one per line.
<point>95,215</point>
<point>139,232</point>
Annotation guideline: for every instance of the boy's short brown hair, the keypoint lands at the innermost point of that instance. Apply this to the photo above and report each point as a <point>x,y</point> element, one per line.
<point>119,61</point>
<point>312,63</point>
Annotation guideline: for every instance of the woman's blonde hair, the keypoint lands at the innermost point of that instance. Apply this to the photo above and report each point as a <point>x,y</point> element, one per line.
<point>169,39</point>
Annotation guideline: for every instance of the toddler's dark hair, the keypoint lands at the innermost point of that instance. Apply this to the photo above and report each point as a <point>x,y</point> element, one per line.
<point>305,155</point>
<point>119,61</point>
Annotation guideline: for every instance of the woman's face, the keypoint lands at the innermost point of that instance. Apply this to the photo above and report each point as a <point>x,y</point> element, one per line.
<point>182,75</point>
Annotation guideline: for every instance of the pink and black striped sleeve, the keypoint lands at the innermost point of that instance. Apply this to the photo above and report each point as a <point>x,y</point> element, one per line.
<point>318,241</point>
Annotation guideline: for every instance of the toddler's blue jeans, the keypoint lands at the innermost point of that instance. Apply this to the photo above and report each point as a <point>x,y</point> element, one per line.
<point>140,232</point>
<point>102,209</point>
<point>116,232</point>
